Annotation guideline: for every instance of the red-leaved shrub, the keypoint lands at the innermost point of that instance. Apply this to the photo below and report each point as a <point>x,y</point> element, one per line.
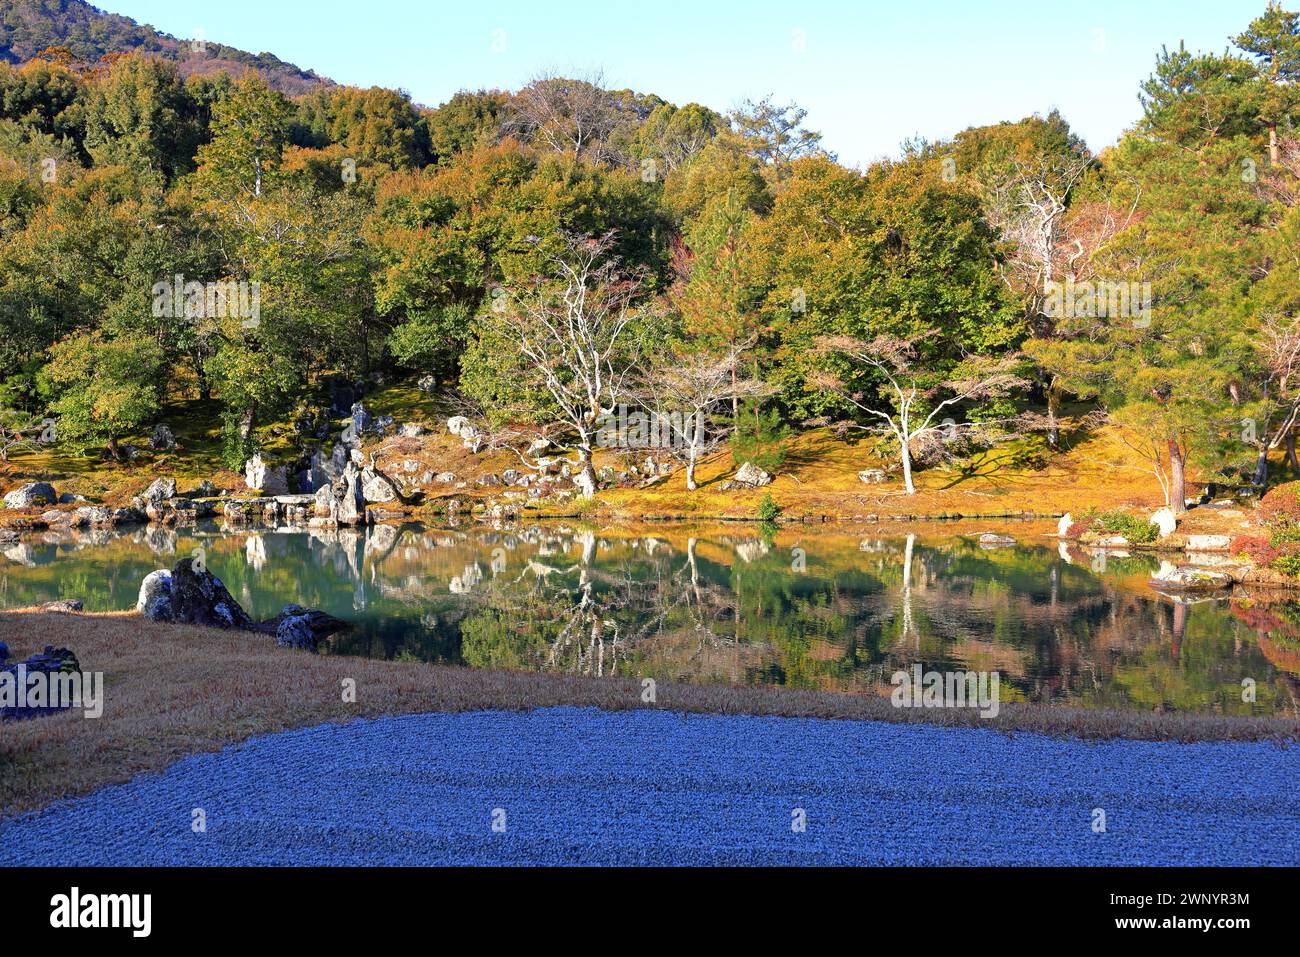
<point>1255,548</point>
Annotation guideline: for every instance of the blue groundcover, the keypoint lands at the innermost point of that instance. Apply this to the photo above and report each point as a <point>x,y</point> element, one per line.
<point>582,786</point>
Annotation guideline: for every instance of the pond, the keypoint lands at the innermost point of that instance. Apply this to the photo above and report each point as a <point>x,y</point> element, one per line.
<point>794,608</point>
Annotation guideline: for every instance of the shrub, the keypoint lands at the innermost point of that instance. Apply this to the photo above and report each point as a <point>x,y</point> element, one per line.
<point>768,510</point>
<point>759,438</point>
<point>1255,548</point>
<point>1279,512</point>
<point>1133,527</point>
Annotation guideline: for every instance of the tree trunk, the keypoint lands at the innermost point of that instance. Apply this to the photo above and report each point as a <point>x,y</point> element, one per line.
<point>1290,451</point>
<point>1272,144</point>
<point>586,477</point>
<point>906,454</point>
<point>1053,404</point>
<point>112,448</point>
<point>1261,467</point>
<point>690,470</point>
<point>1177,478</point>
<point>735,400</point>
<point>246,420</point>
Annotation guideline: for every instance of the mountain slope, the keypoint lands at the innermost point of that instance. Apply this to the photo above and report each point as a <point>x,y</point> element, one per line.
<point>29,26</point>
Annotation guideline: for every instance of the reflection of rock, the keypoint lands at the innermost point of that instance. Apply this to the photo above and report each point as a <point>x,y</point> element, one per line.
<point>749,551</point>
<point>993,540</point>
<point>21,553</point>
<point>464,583</point>
<point>255,552</point>
<point>160,539</point>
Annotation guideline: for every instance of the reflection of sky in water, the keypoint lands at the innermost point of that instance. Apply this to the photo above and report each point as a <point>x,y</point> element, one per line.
<point>808,610</point>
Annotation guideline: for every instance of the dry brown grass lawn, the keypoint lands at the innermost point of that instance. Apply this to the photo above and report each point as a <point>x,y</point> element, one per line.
<point>172,691</point>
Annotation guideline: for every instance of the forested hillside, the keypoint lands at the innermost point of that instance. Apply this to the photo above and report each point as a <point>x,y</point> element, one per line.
<point>30,27</point>
<point>546,257</point>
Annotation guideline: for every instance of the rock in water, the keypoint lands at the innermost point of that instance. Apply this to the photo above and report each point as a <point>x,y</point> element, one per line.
<point>1189,578</point>
<point>751,476</point>
<point>31,495</point>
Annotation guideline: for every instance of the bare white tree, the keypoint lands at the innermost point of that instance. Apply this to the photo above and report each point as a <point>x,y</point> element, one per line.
<point>683,390</point>
<point>579,332</point>
<point>908,412</point>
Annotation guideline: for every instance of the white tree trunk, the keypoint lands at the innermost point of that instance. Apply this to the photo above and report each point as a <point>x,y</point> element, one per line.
<point>907,467</point>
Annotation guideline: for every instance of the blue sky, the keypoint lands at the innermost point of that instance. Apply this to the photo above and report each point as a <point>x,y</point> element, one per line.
<point>870,73</point>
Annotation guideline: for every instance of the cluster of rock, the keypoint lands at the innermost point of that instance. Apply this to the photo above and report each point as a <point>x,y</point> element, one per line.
<point>32,495</point>
<point>194,596</point>
<point>51,661</point>
<point>748,475</point>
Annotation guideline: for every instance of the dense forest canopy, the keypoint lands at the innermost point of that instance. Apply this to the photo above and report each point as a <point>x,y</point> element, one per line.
<point>971,288</point>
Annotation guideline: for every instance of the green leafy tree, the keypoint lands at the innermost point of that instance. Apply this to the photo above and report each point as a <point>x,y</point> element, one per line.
<point>102,387</point>
<point>1274,40</point>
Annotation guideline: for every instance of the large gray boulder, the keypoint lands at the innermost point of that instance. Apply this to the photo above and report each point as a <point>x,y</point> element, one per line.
<point>264,478</point>
<point>162,439</point>
<point>342,502</point>
<point>155,600</point>
<point>31,495</point>
<point>298,627</point>
<point>377,487</point>
<point>194,596</point>
<point>460,426</point>
<point>159,490</point>
<point>362,421</point>
<point>751,476</point>
<point>191,596</point>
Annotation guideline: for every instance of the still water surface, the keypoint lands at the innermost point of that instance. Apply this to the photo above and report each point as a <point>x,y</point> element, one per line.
<point>797,609</point>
